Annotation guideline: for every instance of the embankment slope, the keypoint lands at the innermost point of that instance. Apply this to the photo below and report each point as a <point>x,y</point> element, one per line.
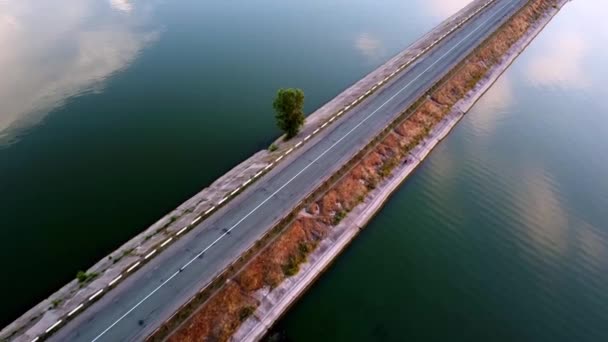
<point>251,301</point>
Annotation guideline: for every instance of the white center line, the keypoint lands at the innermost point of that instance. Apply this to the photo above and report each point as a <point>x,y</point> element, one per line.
<point>136,306</point>
<point>294,177</point>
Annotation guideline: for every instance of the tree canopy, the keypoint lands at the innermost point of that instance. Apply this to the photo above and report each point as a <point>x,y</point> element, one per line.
<point>288,106</point>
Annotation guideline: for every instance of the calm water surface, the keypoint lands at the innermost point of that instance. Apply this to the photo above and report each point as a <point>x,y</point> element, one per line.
<point>502,235</point>
<point>113,112</point>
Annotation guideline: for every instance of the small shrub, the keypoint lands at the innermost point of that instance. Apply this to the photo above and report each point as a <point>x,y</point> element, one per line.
<point>84,277</point>
<point>373,183</point>
<point>292,267</point>
<point>340,215</point>
<point>273,148</point>
<point>56,303</point>
<point>387,167</point>
<point>303,248</point>
<point>245,312</point>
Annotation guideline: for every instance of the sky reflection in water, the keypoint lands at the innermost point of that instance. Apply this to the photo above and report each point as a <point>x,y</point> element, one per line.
<point>50,53</point>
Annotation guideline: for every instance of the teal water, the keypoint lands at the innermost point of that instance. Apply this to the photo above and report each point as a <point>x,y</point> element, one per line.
<point>114,112</point>
<point>502,234</point>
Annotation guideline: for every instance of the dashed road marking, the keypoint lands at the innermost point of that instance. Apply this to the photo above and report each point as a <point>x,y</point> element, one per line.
<point>209,210</point>
<point>115,280</point>
<point>133,267</point>
<point>98,293</point>
<point>166,242</point>
<point>76,309</point>
<point>53,326</point>
<point>150,254</point>
<point>196,220</point>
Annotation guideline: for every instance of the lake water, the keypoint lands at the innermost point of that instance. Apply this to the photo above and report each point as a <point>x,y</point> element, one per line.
<point>113,112</point>
<point>502,234</point>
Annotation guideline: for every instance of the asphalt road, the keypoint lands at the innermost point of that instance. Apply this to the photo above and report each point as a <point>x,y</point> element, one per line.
<point>143,301</point>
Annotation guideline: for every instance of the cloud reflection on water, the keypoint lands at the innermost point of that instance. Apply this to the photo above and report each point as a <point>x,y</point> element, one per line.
<point>121,5</point>
<point>561,63</point>
<point>370,46</point>
<point>51,53</point>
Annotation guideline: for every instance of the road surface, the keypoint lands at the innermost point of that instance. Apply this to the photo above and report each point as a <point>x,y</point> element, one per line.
<point>138,305</point>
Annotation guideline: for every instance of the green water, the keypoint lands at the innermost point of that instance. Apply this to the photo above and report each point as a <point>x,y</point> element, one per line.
<point>114,112</point>
<point>502,234</point>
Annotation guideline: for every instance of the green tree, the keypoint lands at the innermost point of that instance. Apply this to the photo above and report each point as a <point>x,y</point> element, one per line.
<point>288,107</point>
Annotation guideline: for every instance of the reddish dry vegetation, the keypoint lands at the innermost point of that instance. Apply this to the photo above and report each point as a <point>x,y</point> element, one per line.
<point>491,53</point>
<point>219,318</point>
